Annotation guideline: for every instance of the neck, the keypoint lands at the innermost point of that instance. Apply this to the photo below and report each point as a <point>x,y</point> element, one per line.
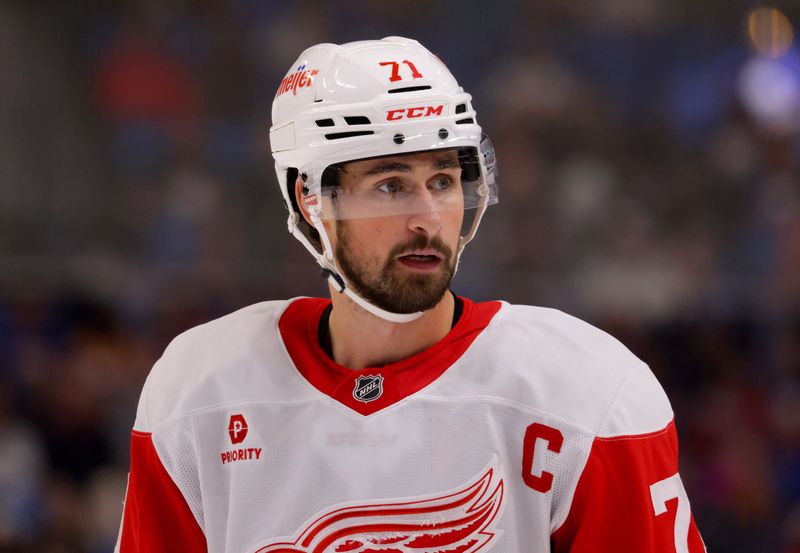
<point>360,339</point>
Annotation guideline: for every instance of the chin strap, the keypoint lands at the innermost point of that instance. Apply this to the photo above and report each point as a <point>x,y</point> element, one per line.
<point>335,277</point>
<point>331,271</point>
<point>339,283</point>
<point>382,313</point>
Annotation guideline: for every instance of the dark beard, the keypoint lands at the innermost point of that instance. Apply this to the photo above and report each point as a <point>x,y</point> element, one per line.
<point>389,289</point>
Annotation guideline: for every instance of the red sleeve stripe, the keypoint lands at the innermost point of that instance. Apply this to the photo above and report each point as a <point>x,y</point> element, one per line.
<point>612,509</point>
<point>156,517</point>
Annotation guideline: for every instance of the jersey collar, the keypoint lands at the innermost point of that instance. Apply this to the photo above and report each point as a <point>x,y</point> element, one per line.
<point>371,389</point>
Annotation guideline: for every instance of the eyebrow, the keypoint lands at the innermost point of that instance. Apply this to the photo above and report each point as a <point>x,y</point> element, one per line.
<point>405,168</point>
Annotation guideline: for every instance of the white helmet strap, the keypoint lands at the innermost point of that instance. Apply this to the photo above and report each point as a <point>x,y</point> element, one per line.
<point>331,270</point>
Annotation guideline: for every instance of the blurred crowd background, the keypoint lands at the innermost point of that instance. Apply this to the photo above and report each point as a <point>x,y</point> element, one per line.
<point>648,152</point>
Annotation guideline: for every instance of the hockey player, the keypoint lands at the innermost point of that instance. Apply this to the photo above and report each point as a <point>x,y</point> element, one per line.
<point>396,416</point>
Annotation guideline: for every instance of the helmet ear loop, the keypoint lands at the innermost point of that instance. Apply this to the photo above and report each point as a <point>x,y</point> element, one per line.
<point>296,215</point>
<point>481,209</point>
<point>326,260</point>
<point>464,240</point>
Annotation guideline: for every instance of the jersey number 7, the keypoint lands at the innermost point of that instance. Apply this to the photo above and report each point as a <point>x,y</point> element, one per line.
<point>672,488</point>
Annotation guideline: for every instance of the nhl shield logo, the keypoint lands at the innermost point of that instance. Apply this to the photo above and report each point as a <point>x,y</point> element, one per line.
<point>368,388</point>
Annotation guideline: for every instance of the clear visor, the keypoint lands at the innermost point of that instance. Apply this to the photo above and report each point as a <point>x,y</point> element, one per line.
<point>438,180</point>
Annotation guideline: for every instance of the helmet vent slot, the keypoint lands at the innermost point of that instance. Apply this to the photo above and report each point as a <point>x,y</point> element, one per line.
<point>409,89</point>
<point>357,120</point>
<point>467,121</point>
<point>461,108</point>
<point>348,134</point>
<point>324,122</point>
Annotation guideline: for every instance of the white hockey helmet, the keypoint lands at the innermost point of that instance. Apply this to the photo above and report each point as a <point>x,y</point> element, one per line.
<point>368,99</point>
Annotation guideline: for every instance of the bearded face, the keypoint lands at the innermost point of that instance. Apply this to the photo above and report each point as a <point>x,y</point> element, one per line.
<point>413,276</point>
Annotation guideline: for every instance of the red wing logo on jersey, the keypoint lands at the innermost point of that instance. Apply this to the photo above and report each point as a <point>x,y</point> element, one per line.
<point>459,521</point>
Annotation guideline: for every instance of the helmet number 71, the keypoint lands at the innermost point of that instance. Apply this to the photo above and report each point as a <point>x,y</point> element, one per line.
<point>395,76</point>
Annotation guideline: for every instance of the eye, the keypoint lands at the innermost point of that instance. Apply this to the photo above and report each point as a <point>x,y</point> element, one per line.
<point>391,186</point>
<point>441,183</point>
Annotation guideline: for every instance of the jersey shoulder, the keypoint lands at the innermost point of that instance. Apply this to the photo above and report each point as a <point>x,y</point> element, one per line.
<point>566,368</point>
<point>237,357</point>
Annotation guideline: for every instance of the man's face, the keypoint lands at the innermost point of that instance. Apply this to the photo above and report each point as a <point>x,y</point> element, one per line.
<point>402,263</point>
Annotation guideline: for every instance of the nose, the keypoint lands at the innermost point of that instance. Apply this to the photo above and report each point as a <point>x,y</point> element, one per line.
<point>426,217</point>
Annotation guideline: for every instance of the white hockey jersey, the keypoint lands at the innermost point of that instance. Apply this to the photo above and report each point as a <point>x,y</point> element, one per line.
<point>523,430</point>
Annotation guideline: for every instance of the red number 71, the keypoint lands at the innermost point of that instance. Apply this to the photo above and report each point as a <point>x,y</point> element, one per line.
<point>396,70</point>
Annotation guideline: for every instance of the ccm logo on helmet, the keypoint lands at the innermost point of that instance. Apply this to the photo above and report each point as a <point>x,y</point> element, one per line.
<point>414,113</point>
<point>301,78</point>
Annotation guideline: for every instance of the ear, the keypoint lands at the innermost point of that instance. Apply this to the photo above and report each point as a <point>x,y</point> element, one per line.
<point>299,196</point>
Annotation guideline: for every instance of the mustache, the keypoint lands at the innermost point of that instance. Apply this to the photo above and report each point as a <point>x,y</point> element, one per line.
<point>421,242</point>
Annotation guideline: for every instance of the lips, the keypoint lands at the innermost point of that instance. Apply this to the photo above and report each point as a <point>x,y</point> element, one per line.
<point>421,259</point>
<point>427,252</point>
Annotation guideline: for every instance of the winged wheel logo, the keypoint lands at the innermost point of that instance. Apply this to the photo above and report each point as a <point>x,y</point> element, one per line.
<point>460,521</point>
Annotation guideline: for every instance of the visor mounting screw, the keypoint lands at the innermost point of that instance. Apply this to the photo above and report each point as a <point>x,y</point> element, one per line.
<point>399,138</point>
<point>304,176</point>
<point>443,133</point>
